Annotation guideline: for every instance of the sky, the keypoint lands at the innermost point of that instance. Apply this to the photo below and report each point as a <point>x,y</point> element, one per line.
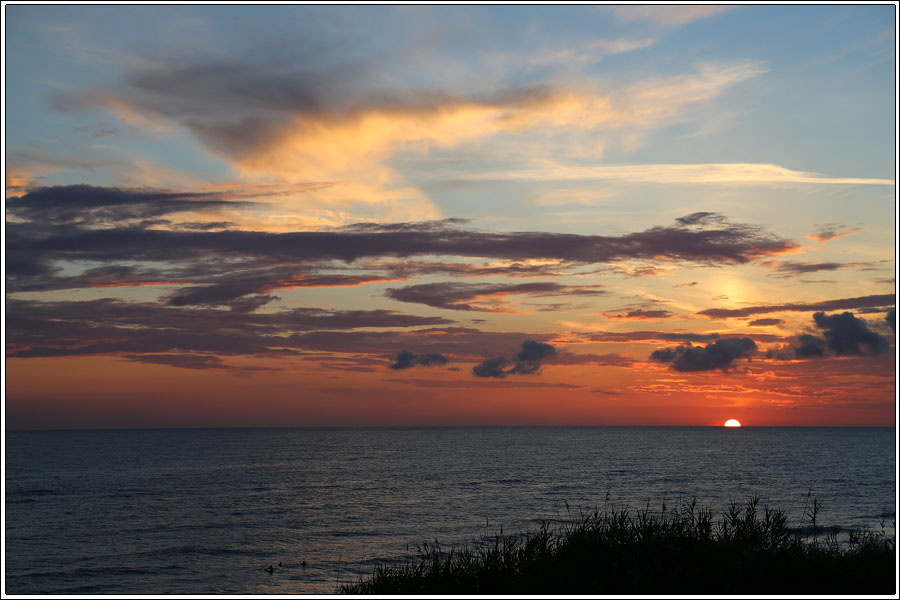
<point>298,215</point>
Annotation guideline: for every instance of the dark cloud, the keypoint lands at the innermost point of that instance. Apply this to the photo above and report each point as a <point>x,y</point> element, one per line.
<point>844,335</point>
<point>409,269</point>
<point>92,205</point>
<point>891,319</point>
<point>462,342</point>
<point>492,367</point>
<point>81,237</point>
<point>482,297</point>
<point>847,335</point>
<point>416,226</point>
<point>184,361</point>
<point>642,314</point>
<point>701,218</point>
<point>234,107</point>
<point>432,359</point>
<point>108,326</point>
<point>230,288</point>
<point>648,336</point>
<point>880,300</point>
<point>600,360</point>
<point>476,383</point>
<point>765,322</point>
<point>530,357</point>
<point>533,351</point>
<point>52,237</point>
<point>790,268</point>
<point>202,226</point>
<point>809,346</point>
<point>721,354</point>
<point>406,359</point>
<point>528,361</point>
<point>556,306</point>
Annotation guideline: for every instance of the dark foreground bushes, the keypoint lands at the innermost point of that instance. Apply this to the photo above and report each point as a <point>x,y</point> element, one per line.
<point>682,551</point>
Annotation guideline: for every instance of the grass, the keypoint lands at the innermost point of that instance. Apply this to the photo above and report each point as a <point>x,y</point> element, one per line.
<point>686,550</point>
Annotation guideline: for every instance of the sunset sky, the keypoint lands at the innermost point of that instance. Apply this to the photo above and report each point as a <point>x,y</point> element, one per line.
<point>449,215</point>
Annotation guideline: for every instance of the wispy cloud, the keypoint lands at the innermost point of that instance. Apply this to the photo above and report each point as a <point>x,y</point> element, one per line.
<point>668,15</point>
<point>640,314</point>
<point>336,125</point>
<point>709,173</point>
<point>879,300</point>
<point>485,297</point>
<point>831,231</point>
<point>789,268</point>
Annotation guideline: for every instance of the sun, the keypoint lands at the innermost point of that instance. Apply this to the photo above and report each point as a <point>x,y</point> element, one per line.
<point>732,423</point>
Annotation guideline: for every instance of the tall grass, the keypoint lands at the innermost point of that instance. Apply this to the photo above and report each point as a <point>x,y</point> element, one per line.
<point>684,550</point>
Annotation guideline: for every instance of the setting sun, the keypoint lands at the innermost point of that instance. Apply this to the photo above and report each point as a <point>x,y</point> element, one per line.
<point>732,423</point>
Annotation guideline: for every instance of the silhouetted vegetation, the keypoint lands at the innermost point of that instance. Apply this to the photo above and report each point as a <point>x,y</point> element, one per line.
<point>685,550</point>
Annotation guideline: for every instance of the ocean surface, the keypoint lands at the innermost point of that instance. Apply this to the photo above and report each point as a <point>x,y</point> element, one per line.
<point>206,511</point>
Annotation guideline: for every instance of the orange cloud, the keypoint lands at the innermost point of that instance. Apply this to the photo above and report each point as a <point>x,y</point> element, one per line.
<point>826,233</point>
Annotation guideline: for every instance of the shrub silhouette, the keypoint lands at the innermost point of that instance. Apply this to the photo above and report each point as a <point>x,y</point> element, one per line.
<point>678,551</point>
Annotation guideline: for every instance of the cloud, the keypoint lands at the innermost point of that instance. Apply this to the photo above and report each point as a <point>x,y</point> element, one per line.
<point>706,173</point>
<point>810,346</point>
<point>530,357</point>
<point>409,269</point>
<point>701,218</point>
<point>323,118</point>
<point>483,298</point>
<point>667,15</point>
<point>806,347</point>
<point>463,343</point>
<point>202,362</point>
<point>627,337</point>
<point>109,326</point>
<point>32,165</point>
<point>847,335</point>
<point>891,319</point>
<point>492,367</point>
<point>831,231</point>
<point>243,286</point>
<point>527,362</point>
<point>573,58</point>
<point>879,300</point>
<point>598,360</point>
<point>231,258</point>
<point>641,314</point>
<point>406,359</point>
<point>765,322</point>
<point>476,383</point>
<point>303,121</point>
<point>790,268</point>
<point>95,206</point>
<point>721,354</point>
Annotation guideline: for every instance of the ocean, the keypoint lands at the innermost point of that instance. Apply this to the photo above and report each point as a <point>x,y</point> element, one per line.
<point>204,511</point>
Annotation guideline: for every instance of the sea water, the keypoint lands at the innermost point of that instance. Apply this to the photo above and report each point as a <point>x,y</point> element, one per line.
<point>207,511</point>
